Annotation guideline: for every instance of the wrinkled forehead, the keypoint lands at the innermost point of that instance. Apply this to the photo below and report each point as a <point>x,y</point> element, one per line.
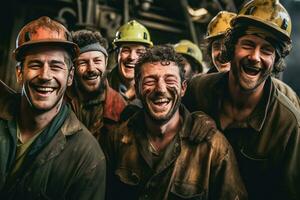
<point>160,68</point>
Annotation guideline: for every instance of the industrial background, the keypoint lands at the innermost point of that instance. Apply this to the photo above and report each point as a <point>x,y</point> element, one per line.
<point>168,21</point>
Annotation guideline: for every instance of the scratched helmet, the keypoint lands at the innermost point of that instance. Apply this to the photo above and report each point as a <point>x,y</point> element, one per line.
<point>269,14</point>
<point>44,31</point>
<point>219,24</point>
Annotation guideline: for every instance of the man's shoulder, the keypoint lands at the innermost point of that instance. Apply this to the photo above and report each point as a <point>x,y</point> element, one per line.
<point>286,109</point>
<point>114,105</point>
<point>287,91</point>
<point>8,101</point>
<point>206,79</point>
<point>207,132</point>
<point>73,128</point>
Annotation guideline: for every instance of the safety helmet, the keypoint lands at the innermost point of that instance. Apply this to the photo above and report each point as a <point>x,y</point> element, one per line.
<point>132,32</point>
<point>44,31</point>
<point>190,49</point>
<point>269,14</point>
<point>219,24</point>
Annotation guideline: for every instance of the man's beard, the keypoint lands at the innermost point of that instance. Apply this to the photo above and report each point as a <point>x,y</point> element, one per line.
<point>176,101</point>
<point>98,91</point>
<point>237,71</point>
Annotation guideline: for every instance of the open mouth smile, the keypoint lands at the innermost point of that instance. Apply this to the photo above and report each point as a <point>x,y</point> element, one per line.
<point>251,70</point>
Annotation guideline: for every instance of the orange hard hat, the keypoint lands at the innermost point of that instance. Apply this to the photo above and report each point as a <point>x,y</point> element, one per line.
<point>44,31</point>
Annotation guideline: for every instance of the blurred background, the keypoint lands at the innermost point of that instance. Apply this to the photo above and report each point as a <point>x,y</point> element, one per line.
<point>168,21</point>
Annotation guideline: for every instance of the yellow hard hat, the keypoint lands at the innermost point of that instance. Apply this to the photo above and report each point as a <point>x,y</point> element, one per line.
<point>132,32</point>
<point>219,24</point>
<point>44,31</point>
<point>269,14</point>
<point>188,48</point>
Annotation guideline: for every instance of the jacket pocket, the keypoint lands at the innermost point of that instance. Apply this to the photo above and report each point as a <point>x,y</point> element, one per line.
<point>254,162</point>
<point>127,176</point>
<point>189,191</point>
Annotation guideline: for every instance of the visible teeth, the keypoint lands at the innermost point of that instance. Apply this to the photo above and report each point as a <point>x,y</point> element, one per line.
<point>130,65</point>
<point>161,101</point>
<point>91,77</point>
<point>43,89</point>
<point>251,70</point>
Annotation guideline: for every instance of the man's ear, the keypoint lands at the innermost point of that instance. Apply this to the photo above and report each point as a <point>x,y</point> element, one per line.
<point>183,87</point>
<point>19,74</point>
<point>70,77</point>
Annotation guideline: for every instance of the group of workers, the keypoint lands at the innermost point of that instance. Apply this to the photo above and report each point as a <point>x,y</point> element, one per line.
<point>159,125</point>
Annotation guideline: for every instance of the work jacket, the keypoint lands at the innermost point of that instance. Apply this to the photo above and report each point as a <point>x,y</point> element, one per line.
<point>98,115</point>
<point>70,166</point>
<point>266,144</point>
<point>115,81</point>
<point>205,169</point>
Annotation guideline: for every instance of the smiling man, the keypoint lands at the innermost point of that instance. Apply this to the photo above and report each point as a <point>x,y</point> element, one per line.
<point>94,102</point>
<point>152,156</point>
<point>46,153</point>
<point>131,41</point>
<point>259,121</point>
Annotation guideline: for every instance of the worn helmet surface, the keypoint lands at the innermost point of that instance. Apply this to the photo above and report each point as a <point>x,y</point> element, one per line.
<point>132,32</point>
<point>188,48</point>
<point>44,31</point>
<point>219,24</point>
<point>269,14</point>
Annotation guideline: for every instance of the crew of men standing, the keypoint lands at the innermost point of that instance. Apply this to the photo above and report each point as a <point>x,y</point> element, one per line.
<point>159,125</point>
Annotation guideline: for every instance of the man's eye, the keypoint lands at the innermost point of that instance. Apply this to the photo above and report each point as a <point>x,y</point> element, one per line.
<point>98,61</point>
<point>267,51</point>
<point>34,66</point>
<point>57,67</point>
<point>247,46</point>
<point>125,51</point>
<point>82,63</point>
<point>171,81</point>
<point>149,82</point>
<point>140,52</point>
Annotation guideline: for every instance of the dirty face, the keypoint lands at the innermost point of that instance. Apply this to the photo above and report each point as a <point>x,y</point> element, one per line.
<point>216,49</point>
<point>161,89</point>
<point>253,62</point>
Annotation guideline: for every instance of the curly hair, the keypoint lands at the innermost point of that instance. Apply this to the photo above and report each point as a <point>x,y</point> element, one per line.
<point>231,38</point>
<point>85,37</point>
<point>160,53</point>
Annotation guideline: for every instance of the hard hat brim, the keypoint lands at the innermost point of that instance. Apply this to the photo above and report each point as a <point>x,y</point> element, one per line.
<point>120,42</point>
<point>70,47</point>
<point>242,19</point>
<point>219,35</point>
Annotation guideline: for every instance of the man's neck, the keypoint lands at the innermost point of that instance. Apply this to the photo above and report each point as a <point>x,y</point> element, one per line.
<point>238,105</point>
<point>160,135</point>
<point>241,99</point>
<point>32,122</point>
<point>162,130</point>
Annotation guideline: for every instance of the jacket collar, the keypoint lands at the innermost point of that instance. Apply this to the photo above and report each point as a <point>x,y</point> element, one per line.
<point>71,125</point>
<point>257,118</point>
<point>9,105</point>
<point>137,122</point>
<point>72,96</point>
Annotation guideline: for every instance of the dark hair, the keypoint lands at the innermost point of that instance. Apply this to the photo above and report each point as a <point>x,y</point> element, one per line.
<point>231,37</point>
<point>160,53</point>
<point>85,37</point>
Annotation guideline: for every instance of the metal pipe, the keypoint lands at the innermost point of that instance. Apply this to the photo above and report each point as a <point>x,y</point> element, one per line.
<point>184,5</point>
